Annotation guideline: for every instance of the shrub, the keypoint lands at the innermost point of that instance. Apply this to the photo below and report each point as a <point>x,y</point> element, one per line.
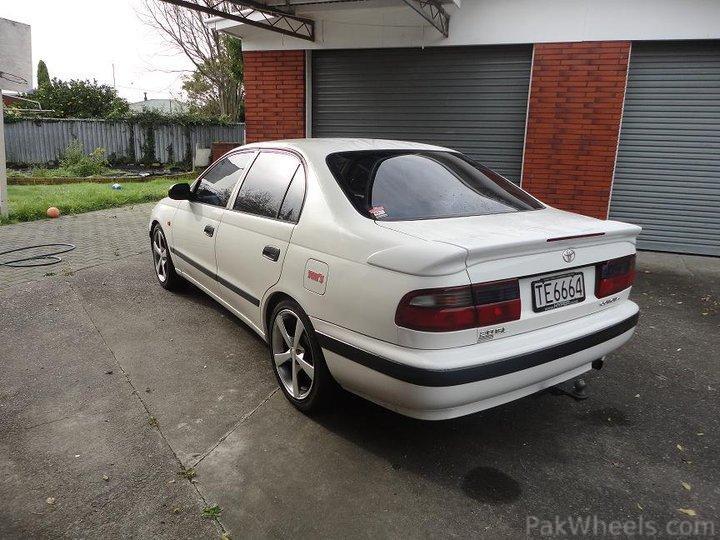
<point>76,163</point>
<point>13,173</point>
<point>80,99</point>
<point>41,172</point>
<point>12,115</point>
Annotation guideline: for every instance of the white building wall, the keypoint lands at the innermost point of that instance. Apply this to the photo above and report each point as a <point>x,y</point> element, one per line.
<point>484,22</point>
<point>15,56</point>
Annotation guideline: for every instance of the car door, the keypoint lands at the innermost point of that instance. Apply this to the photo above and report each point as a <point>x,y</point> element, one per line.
<point>255,232</point>
<point>196,221</point>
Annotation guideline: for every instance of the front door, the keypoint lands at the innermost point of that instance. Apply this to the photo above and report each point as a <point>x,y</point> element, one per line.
<point>197,221</point>
<point>255,232</point>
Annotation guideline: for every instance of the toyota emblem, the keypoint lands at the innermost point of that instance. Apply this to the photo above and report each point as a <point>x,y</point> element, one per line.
<point>568,255</point>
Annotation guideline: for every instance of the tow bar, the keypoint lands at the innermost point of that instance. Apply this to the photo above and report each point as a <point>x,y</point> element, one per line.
<point>576,389</point>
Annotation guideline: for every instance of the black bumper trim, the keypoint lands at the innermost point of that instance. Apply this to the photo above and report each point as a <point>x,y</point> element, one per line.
<point>224,282</point>
<point>454,377</point>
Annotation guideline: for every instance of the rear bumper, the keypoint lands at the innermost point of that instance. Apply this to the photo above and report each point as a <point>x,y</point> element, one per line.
<point>440,384</point>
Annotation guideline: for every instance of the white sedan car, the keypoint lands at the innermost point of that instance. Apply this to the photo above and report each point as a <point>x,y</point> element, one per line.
<point>405,273</point>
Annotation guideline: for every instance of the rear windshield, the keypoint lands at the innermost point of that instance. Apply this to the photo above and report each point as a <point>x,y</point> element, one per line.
<point>394,185</point>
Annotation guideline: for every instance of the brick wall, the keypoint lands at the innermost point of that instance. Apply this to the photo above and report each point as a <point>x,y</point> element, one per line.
<point>274,95</point>
<point>576,99</point>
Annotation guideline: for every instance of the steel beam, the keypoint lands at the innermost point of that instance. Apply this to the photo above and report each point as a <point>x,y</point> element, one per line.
<point>255,14</point>
<point>433,12</point>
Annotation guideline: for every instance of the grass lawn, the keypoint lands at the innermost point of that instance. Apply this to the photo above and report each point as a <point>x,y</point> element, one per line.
<point>28,203</point>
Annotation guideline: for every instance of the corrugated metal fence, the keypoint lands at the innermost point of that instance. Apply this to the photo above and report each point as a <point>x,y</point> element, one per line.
<point>37,142</point>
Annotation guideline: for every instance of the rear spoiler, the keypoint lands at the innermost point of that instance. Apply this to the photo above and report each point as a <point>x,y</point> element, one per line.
<point>421,259</point>
<point>434,258</point>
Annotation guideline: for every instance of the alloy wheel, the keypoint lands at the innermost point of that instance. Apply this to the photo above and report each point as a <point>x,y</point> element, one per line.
<point>160,254</point>
<point>292,354</point>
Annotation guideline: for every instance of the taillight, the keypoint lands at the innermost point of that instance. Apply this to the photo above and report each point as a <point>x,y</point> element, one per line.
<point>614,276</point>
<point>497,302</point>
<point>459,308</point>
<point>437,310</point>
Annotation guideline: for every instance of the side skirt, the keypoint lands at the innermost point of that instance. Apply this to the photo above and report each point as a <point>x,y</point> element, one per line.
<point>223,303</point>
<point>225,283</point>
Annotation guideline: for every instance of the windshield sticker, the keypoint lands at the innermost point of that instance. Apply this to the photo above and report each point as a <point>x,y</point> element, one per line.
<point>378,211</point>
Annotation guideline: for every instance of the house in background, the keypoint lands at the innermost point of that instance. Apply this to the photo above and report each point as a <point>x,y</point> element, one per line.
<point>14,100</point>
<point>164,105</point>
<point>15,76</point>
<point>604,108</point>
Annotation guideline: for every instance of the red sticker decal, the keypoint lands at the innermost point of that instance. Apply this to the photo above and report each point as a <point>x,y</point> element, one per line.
<point>316,276</point>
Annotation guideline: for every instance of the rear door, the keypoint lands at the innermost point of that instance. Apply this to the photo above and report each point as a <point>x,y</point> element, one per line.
<point>197,221</point>
<point>255,232</point>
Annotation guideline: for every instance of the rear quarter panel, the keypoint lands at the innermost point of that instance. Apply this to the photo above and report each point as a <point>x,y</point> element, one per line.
<point>360,297</point>
<point>357,296</point>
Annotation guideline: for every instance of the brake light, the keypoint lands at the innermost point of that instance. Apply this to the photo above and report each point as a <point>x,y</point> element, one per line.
<point>614,276</point>
<point>497,302</point>
<point>459,308</point>
<point>437,310</point>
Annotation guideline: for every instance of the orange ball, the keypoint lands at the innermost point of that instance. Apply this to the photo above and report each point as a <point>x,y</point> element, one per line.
<point>53,212</point>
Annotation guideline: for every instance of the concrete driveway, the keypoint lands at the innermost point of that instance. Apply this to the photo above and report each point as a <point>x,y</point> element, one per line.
<point>110,385</point>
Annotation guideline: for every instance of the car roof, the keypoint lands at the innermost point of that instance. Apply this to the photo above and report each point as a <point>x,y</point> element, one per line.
<point>319,146</point>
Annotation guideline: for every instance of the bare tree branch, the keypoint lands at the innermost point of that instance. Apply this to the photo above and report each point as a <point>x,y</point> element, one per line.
<point>185,30</point>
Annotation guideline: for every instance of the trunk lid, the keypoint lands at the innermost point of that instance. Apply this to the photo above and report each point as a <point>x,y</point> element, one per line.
<point>530,246</point>
<point>514,234</point>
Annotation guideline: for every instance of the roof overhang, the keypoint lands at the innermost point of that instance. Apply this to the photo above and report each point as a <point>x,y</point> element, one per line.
<point>254,13</point>
<point>280,16</point>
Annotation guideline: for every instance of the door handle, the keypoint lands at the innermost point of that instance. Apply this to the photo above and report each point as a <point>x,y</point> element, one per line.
<point>271,252</point>
<point>209,230</point>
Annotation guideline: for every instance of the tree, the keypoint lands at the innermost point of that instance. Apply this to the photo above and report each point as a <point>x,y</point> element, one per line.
<point>203,95</point>
<point>80,99</point>
<point>217,80</point>
<point>43,76</point>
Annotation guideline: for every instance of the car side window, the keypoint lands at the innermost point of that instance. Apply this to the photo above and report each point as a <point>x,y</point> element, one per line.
<point>292,203</point>
<point>266,183</point>
<point>217,185</point>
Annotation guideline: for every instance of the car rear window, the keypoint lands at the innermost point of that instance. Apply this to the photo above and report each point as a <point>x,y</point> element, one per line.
<point>396,185</point>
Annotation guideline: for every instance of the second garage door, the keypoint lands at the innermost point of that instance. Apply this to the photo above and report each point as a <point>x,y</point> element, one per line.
<point>667,177</point>
<point>473,99</point>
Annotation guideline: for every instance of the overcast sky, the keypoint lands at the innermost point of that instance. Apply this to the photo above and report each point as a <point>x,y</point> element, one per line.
<point>82,39</point>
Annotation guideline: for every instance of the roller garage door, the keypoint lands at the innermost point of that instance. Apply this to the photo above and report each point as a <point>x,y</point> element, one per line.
<point>667,177</point>
<point>473,99</point>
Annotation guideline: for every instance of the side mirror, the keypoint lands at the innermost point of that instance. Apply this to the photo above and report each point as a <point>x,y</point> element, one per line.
<point>180,192</point>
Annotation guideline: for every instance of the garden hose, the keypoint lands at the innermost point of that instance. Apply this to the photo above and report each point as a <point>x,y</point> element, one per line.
<point>43,259</point>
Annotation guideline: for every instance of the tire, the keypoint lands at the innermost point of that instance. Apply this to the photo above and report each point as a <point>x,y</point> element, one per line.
<point>308,392</point>
<point>164,267</point>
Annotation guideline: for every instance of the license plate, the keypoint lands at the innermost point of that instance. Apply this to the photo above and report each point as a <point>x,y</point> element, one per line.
<point>558,291</point>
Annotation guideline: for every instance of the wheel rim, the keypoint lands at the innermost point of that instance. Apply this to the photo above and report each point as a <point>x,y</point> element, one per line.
<point>294,363</point>
<point>160,254</point>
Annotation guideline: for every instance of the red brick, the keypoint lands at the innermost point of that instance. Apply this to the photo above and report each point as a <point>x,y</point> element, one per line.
<point>574,115</point>
<point>217,149</point>
<point>274,95</point>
